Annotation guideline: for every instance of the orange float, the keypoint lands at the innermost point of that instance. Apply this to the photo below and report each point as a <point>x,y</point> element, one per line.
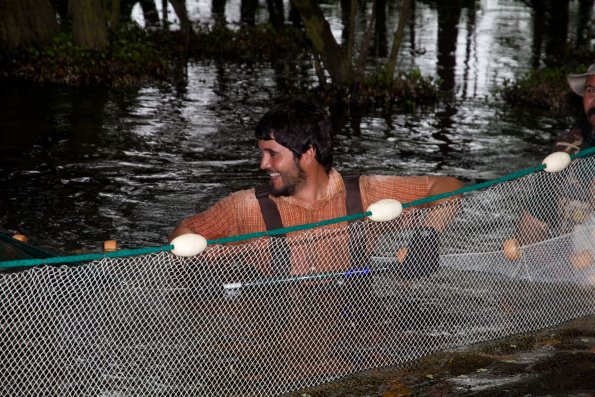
<point>20,237</point>
<point>110,245</point>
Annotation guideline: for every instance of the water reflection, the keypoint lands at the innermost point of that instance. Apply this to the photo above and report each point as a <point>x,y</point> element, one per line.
<point>79,166</point>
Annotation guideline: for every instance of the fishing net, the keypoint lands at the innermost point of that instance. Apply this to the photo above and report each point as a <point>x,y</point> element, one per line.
<point>225,323</point>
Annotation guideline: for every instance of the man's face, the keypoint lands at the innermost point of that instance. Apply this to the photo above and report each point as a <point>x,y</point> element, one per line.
<point>589,100</point>
<point>286,175</point>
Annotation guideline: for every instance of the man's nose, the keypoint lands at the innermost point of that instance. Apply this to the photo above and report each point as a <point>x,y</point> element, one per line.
<point>264,162</point>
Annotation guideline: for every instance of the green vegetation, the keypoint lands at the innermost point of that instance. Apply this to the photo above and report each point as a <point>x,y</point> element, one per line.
<point>135,56</point>
<point>379,90</point>
<point>544,89</point>
<point>260,43</point>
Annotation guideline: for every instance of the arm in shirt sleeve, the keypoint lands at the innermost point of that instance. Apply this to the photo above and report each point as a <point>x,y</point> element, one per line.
<point>440,217</point>
<point>569,141</point>
<point>218,221</point>
<point>536,218</point>
<point>411,188</point>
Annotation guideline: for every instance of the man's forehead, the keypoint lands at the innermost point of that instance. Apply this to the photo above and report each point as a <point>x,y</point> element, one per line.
<point>270,144</point>
<point>590,80</point>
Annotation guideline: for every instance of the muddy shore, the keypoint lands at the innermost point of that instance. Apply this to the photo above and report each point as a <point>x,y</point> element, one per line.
<point>558,361</point>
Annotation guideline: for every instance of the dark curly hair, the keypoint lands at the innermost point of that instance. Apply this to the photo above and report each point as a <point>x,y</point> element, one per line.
<point>298,125</point>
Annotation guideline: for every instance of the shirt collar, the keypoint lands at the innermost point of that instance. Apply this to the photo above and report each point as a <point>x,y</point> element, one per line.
<point>335,186</point>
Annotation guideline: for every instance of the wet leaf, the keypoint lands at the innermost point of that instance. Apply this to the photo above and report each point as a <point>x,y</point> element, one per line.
<point>397,389</point>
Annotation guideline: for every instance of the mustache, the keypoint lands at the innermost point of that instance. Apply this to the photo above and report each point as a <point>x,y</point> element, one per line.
<point>591,112</point>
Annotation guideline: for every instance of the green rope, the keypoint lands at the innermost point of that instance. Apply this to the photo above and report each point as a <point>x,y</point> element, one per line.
<point>84,257</point>
<point>151,250</point>
<point>584,153</point>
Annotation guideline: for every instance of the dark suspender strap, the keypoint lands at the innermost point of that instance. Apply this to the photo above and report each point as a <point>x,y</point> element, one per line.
<point>280,253</point>
<point>272,221</point>
<point>268,208</point>
<point>353,199</point>
<point>353,204</point>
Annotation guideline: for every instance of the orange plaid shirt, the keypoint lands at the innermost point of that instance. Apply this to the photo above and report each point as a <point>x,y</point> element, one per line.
<point>239,213</point>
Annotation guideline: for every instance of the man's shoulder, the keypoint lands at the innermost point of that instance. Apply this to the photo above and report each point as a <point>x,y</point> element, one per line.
<point>379,179</point>
<point>242,195</point>
<point>237,202</point>
<point>385,186</point>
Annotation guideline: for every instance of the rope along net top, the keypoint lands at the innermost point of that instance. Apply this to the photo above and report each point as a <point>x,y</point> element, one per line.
<point>226,323</point>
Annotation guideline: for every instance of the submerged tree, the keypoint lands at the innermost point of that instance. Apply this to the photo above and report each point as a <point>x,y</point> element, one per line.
<point>337,60</point>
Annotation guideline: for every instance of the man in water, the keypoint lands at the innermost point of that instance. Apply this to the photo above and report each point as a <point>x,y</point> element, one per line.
<point>575,199</point>
<point>534,226</point>
<point>312,327</point>
<point>295,144</point>
<point>581,138</point>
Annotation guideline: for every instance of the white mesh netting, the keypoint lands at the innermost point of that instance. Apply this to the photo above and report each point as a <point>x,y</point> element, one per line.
<point>225,323</point>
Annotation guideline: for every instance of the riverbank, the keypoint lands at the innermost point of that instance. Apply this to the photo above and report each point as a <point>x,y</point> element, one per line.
<point>558,361</point>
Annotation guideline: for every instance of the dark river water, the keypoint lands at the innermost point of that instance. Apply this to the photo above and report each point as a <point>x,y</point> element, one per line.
<point>82,165</point>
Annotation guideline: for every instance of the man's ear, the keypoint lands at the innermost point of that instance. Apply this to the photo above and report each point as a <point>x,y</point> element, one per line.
<point>309,156</point>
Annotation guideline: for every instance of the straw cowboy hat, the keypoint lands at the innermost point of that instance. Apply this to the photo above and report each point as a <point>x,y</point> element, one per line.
<point>577,81</point>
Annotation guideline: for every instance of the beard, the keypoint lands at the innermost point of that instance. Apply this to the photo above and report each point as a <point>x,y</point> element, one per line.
<point>293,181</point>
<point>590,114</point>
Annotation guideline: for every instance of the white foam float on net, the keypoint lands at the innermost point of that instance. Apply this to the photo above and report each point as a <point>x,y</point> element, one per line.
<point>385,210</point>
<point>556,161</point>
<point>189,244</point>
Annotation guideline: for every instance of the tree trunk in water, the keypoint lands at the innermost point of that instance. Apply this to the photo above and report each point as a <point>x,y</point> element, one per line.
<point>538,29</point>
<point>26,22</point>
<point>248,12</point>
<point>363,54</point>
<point>180,9</point>
<point>398,39</point>
<point>218,12</point>
<point>319,33</point>
<point>89,28</point>
<point>276,13</point>
<point>379,44</point>
<point>150,12</point>
<point>294,16</point>
<point>165,21</point>
<point>348,10</point>
<point>556,33</point>
<point>449,15</point>
<point>586,13</point>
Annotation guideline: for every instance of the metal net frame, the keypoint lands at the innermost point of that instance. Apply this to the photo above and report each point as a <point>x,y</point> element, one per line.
<point>226,323</point>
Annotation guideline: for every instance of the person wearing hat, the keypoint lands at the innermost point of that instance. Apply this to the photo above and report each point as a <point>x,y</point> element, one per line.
<point>575,199</point>
<point>573,141</point>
